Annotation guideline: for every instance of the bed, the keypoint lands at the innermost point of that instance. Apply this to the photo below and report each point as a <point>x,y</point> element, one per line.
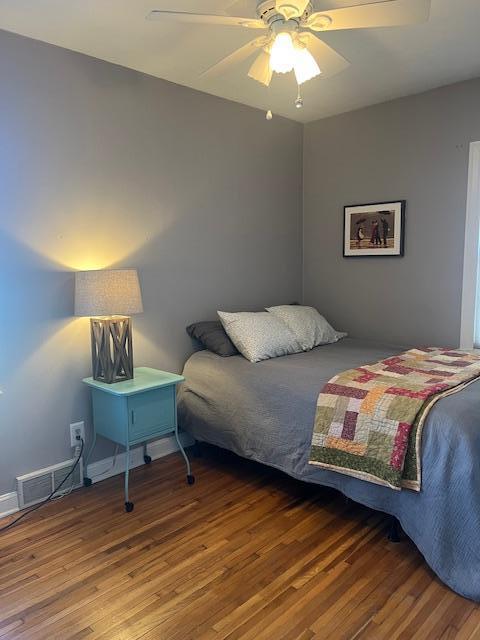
<point>265,412</point>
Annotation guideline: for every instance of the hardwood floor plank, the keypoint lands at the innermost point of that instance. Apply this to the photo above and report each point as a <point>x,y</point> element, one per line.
<point>244,554</point>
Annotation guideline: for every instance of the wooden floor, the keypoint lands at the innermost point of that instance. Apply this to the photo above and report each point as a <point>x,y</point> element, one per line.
<point>245,553</point>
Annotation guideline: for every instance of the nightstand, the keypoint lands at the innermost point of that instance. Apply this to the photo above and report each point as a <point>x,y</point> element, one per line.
<point>136,411</point>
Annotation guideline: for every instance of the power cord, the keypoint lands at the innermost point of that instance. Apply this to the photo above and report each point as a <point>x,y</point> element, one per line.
<point>40,504</point>
<point>66,492</point>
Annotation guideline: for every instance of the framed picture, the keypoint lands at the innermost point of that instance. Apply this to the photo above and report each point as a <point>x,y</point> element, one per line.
<point>376,229</point>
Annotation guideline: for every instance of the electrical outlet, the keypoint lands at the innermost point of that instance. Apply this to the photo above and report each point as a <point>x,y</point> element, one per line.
<point>77,429</point>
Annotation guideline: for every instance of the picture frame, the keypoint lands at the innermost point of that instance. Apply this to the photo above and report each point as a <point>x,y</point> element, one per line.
<point>374,229</point>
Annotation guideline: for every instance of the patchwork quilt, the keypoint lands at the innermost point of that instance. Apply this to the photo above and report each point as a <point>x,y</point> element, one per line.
<point>369,420</point>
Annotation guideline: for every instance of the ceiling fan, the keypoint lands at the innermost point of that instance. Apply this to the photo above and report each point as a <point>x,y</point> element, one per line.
<point>289,43</point>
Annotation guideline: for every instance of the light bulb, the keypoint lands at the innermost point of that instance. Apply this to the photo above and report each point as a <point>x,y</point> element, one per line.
<point>282,54</point>
<point>304,65</point>
<point>269,115</point>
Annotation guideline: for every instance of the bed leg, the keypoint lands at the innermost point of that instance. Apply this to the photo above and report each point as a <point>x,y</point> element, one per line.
<point>394,530</point>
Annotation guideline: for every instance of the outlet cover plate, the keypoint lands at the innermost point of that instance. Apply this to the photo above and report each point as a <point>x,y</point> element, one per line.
<point>77,428</point>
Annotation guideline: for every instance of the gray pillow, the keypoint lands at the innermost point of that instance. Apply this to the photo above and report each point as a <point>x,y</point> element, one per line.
<point>259,335</point>
<point>211,335</point>
<point>310,328</point>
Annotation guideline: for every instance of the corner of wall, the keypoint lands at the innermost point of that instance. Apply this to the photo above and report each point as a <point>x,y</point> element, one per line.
<point>302,217</point>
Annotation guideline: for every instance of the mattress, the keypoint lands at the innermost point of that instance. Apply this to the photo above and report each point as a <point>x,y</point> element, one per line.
<point>265,412</point>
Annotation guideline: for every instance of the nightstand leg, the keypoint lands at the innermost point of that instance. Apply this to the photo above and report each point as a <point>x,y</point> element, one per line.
<point>128,504</point>
<point>146,458</point>
<point>190,478</point>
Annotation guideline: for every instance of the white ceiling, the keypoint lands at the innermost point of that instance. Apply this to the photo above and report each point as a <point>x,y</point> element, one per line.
<point>385,63</point>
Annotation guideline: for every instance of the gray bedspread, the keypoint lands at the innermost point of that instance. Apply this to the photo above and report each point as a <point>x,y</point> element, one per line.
<point>265,412</point>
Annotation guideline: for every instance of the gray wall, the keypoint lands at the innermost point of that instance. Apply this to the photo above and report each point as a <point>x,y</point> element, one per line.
<point>415,148</point>
<point>102,166</point>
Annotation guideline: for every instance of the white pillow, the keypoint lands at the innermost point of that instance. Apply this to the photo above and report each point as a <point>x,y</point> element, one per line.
<point>309,327</point>
<point>259,335</point>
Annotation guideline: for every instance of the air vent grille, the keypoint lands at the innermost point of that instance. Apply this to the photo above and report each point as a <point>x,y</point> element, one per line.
<point>61,474</point>
<point>38,485</point>
<point>36,489</point>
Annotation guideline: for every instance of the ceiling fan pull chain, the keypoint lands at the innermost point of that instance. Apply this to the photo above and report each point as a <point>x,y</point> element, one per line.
<point>299,100</point>
<point>269,114</point>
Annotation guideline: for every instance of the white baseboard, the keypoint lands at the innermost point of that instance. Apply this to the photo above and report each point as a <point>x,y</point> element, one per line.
<point>103,469</point>
<point>8,504</point>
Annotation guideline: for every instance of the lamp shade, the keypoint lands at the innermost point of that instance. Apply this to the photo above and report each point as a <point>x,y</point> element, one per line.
<point>107,292</point>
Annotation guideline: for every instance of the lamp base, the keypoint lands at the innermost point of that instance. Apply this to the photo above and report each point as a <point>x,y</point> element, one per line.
<point>112,352</point>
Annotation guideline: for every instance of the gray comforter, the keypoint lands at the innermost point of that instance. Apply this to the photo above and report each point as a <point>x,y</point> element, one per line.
<point>265,412</point>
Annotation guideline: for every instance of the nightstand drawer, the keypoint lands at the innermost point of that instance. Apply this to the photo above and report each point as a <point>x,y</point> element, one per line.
<point>151,413</point>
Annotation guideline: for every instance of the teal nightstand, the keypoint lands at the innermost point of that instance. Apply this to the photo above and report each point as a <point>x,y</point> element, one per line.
<point>135,411</point>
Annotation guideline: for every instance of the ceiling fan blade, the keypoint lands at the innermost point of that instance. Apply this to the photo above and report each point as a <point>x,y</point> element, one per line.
<point>203,18</point>
<point>329,61</point>
<point>291,8</point>
<point>389,13</point>
<point>261,70</point>
<point>236,57</point>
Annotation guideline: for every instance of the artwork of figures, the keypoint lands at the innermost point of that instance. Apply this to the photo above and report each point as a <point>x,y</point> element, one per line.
<point>374,229</point>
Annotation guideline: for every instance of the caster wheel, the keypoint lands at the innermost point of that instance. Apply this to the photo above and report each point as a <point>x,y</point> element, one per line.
<point>87,482</point>
<point>190,479</point>
<point>128,507</point>
<point>147,459</point>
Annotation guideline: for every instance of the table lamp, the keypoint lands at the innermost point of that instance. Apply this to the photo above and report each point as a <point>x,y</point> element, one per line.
<point>109,297</point>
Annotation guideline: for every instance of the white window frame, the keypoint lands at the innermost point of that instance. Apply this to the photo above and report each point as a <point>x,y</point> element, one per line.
<point>471,260</point>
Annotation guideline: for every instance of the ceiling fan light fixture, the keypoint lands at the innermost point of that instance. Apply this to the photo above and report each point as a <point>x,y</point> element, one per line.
<point>305,65</point>
<point>282,53</point>
<point>260,69</point>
